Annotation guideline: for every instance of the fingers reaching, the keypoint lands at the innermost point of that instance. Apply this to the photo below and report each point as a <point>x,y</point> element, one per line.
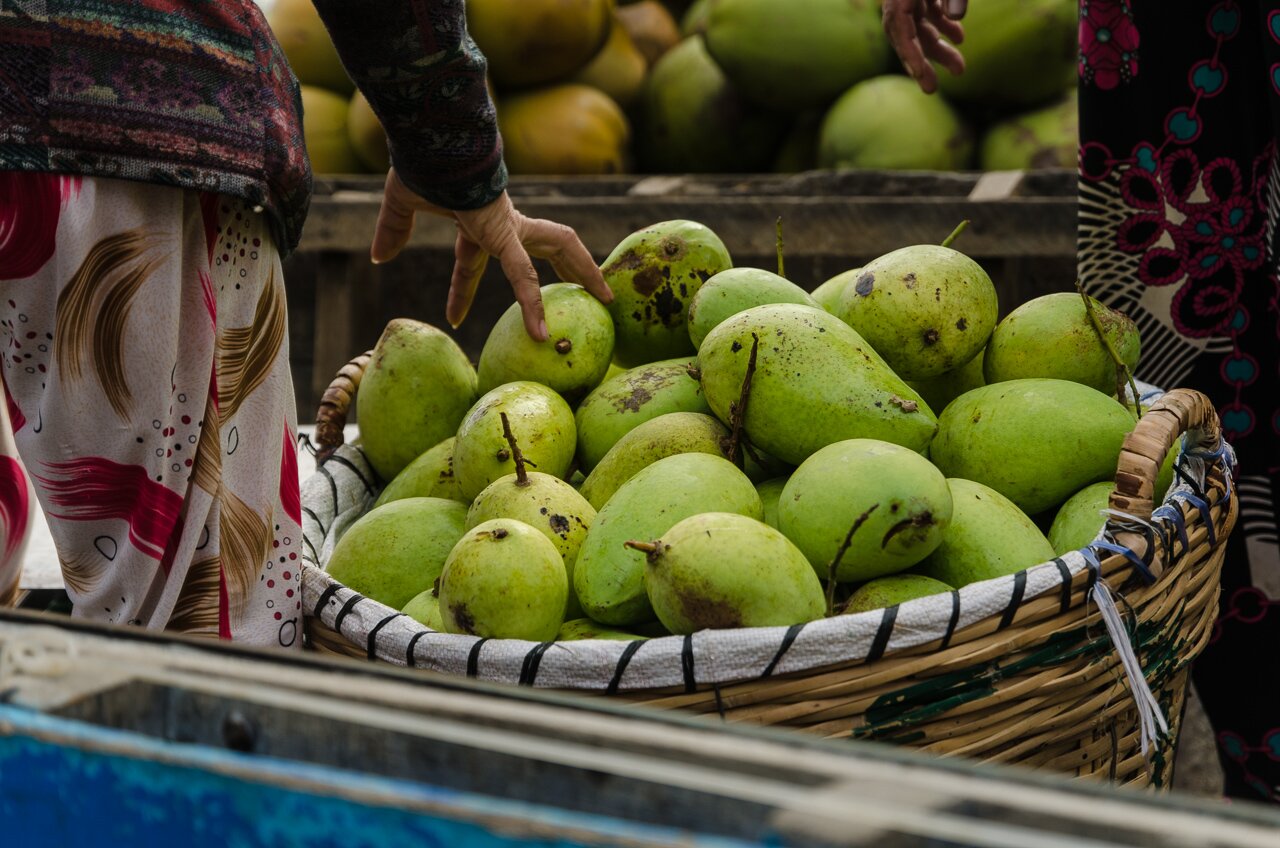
<point>524,282</point>
<point>940,50</point>
<point>395,222</point>
<point>900,26</point>
<point>567,254</point>
<point>469,264</point>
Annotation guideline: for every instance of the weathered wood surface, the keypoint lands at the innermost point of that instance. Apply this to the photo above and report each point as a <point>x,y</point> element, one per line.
<point>826,214</point>
<point>121,737</point>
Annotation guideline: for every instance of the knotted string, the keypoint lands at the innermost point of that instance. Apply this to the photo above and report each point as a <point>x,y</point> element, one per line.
<point>1150,716</point>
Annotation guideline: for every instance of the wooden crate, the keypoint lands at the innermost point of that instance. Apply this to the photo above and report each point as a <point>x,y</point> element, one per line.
<point>1022,231</point>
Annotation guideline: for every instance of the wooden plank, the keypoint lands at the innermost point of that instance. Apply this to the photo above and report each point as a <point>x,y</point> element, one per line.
<point>354,732</point>
<point>846,226</point>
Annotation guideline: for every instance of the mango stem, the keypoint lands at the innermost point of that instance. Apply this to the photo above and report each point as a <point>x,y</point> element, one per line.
<point>649,549</point>
<point>1122,371</point>
<point>782,266</point>
<point>960,228</point>
<point>738,409</point>
<point>522,476</point>
<point>840,552</point>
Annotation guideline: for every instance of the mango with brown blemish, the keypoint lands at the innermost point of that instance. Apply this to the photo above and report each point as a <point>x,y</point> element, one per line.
<point>610,578</point>
<point>654,274</point>
<point>1052,336</point>
<point>926,309</point>
<point>903,496</point>
<point>429,476</point>
<point>546,503</point>
<point>724,570</point>
<point>504,580</point>
<point>816,382</point>
<point>540,420</point>
<point>624,402</point>
<point>732,291</point>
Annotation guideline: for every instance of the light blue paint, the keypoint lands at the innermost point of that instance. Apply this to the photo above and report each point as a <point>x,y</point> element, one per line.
<point>85,793</point>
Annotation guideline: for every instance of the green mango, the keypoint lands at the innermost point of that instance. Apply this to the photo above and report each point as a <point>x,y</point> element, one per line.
<point>926,309</point>
<point>694,20</point>
<point>693,120</point>
<point>1052,336</point>
<point>891,591</point>
<point>1048,137</point>
<point>397,551</point>
<point>622,403</point>
<point>654,274</point>
<point>905,499</point>
<point>425,609</point>
<point>724,570</point>
<point>799,54</point>
<point>504,580</point>
<point>1080,519</point>
<point>1018,53</point>
<point>541,422</point>
<point>770,492</point>
<point>816,382</point>
<point>941,390</point>
<point>414,393</point>
<point>575,358</point>
<point>658,438</point>
<point>429,476</point>
<point>547,503</point>
<point>608,577</point>
<point>888,123</point>
<point>829,294</point>
<point>988,537</point>
<point>614,370</point>
<point>579,629</point>
<point>1035,441</point>
<point>730,292</point>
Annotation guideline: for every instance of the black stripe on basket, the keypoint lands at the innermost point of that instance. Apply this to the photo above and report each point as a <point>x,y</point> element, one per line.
<point>883,633</point>
<point>1019,587</point>
<point>955,620</point>
<point>311,512</point>
<point>623,661</point>
<point>529,671</point>
<point>790,636</point>
<point>342,460</point>
<point>1065,571</point>
<point>686,664</point>
<point>326,596</point>
<point>333,489</point>
<point>409,656</point>
<point>355,598</point>
<point>473,659</point>
<point>371,647</point>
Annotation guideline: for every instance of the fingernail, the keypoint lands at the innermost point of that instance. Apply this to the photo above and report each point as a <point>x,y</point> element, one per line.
<point>955,8</point>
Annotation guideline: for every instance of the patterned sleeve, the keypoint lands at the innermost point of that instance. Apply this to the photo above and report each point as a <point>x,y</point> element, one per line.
<point>425,79</point>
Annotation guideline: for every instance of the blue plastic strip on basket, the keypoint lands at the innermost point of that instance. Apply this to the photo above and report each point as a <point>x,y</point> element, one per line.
<point>1203,507</point>
<point>1143,571</point>
<point>1171,514</point>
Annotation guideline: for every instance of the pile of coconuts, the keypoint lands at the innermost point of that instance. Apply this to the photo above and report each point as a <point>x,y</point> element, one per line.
<point>720,448</point>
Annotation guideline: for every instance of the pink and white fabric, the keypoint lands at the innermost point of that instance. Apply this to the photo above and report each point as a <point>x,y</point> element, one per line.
<point>144,353</point>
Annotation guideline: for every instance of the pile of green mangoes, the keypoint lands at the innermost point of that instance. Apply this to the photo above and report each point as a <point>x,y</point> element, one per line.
<point>610,86</point>
<point>720,448</point>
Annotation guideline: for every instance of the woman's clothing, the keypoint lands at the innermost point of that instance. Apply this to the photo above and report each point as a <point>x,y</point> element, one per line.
<point>145,360</point>
<point>199,96</point>
<point>1179,203</point>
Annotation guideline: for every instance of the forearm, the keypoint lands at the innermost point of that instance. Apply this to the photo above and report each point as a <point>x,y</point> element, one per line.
<point>425,79</point>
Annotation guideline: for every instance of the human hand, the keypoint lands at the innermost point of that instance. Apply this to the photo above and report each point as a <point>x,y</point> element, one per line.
<point>916,29</point>
<point>494,230</point>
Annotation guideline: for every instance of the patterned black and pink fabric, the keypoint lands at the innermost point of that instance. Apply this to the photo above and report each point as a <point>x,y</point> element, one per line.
<point>1179,203</point>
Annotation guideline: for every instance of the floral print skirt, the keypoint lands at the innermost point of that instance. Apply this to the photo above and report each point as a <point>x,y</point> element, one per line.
<point>1179,203</point>
<point>145,367</point>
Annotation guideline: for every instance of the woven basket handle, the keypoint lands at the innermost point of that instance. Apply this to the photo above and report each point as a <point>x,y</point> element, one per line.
<point>1180,411</point>
<point>331,417</point>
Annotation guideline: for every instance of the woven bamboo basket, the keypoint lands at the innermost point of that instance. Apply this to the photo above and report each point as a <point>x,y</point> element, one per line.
<point>1037,681</point>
